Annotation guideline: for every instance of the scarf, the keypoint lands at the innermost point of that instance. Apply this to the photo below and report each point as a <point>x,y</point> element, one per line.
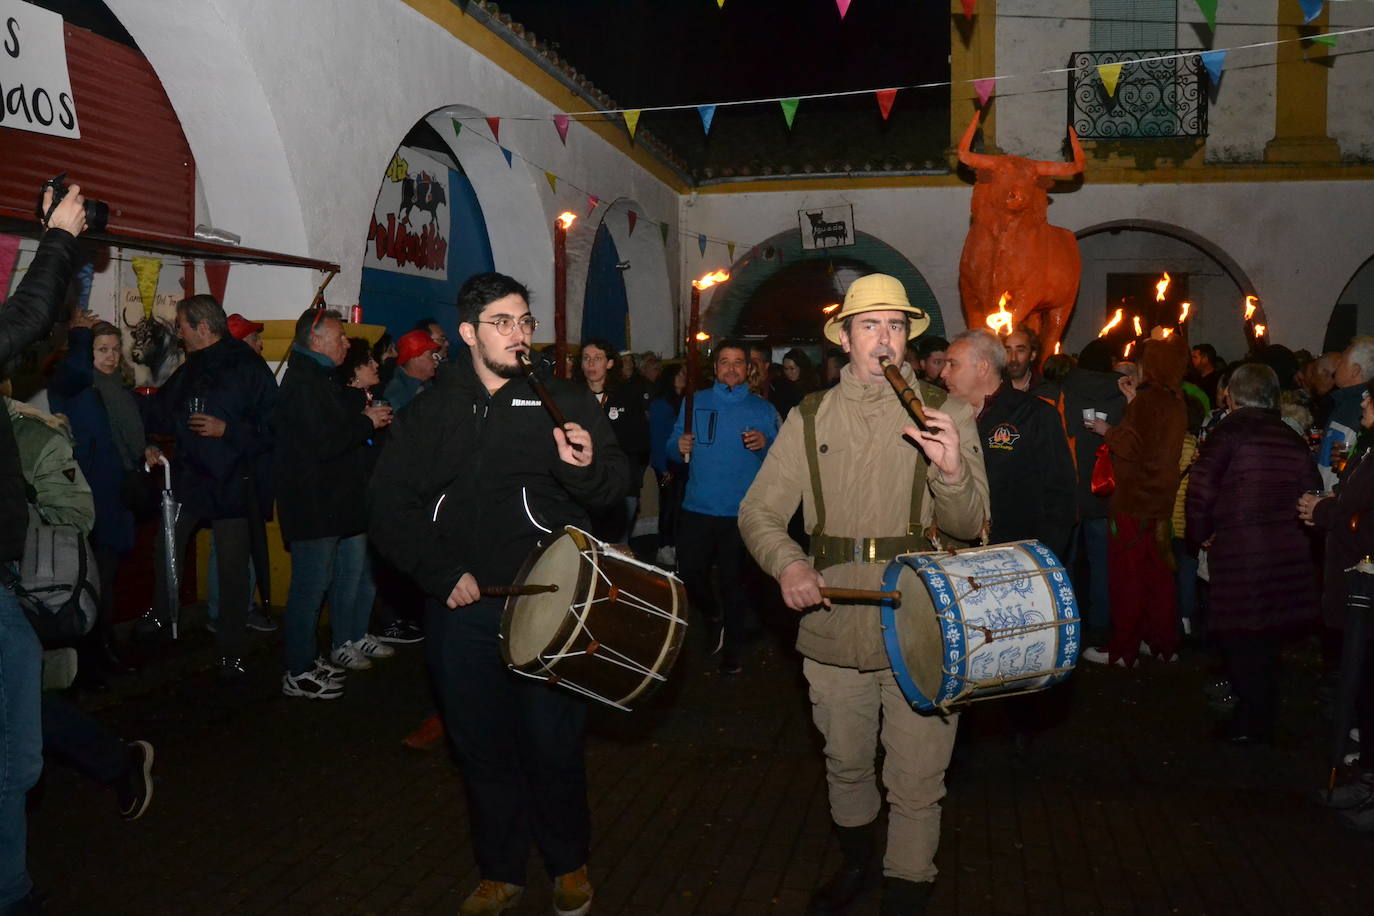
<point>125,423</point>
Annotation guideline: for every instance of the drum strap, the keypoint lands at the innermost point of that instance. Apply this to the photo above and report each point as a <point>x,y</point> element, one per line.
<point>828,550</point>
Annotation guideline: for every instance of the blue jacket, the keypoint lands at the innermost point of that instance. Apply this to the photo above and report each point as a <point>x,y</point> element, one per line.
<point>661,417</point>
<point>72,393</point>
<point>402,389</point>
<point>721,467</point>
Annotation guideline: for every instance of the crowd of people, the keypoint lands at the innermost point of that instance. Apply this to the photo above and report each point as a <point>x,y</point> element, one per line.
<point>1189,498</point>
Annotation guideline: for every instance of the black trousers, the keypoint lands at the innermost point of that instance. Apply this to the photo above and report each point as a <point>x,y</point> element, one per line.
<point>706,542</point>
<point>231,556</point>
<point>1252,663</point>
<point>519,744</point>
<point>71,734</point>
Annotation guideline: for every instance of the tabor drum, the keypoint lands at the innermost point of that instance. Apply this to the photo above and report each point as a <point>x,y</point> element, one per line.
<point>1005,621</point>
<point>610,632</point>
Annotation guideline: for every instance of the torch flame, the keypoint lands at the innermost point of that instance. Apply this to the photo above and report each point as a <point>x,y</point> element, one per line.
<point>1135,320</point>
<point>1000,320</point>
<point>1056,348</point>
<point>830,308</point>
<point>1111,325</point>
<point>1162,286</point>
<point>1260,331</point>
<point>1250,303</point>
<point>703,336</point>
<point>711,279</point>
<point>1183,315</point>
<point>565,219</point>
<point>1166,332</point>
<point>1130,345</point>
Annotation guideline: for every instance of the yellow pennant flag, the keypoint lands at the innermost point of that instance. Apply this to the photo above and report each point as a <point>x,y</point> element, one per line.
<point>632,121</point>
<point>147,271</point>
<point>720,4</point>
<point>552,179</point>
<point>1110,73</point>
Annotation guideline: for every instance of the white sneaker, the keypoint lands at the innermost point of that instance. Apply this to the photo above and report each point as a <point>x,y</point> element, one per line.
<point>667,556</point>
<point>1100,657</point>
<point>371,647</point>
<point>312,685</point>
<point>351,657</point>
<point>328,669</point>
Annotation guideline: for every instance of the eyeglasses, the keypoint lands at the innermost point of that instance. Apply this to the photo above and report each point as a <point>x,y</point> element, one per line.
<point>504,324</point>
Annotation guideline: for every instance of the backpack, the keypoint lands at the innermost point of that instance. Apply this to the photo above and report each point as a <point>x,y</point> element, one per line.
<point>56,582</point>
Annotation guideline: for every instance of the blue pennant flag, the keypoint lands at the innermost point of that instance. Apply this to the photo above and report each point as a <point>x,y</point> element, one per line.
<point>708,114</point>
<point>701,243</point>
<point>1213,61</point>
<point>507,153</point>
<point>1311,9</point>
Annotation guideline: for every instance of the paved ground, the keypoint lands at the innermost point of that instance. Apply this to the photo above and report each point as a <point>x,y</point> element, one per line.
<point>711,800</point>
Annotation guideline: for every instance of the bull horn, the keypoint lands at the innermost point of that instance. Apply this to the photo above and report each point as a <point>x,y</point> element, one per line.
<point>1063,169</point>
<point>966,154</point>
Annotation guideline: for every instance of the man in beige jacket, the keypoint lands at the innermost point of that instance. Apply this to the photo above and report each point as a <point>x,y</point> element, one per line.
<point>871,486</point>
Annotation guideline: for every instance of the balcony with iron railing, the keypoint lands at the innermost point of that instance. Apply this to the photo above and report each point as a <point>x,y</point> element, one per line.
<point>1159,96</point>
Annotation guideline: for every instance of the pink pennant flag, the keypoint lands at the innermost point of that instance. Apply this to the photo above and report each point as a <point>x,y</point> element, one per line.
<point>844,7</point>
<point>592,201</point>
<point>885,99</point>
<point>560,124</point>
<point>968,6</point>
<point>984,88</point>
<point>217,276</point>
<point>495,125</point>
<point>634,218</point>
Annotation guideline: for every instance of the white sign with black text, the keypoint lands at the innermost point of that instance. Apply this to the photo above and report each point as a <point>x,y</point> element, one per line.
<point>826,227</point>
<point>35,89</point>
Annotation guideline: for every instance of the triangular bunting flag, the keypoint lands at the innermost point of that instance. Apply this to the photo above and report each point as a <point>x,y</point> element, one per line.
<point>708,114</point>
<point>968,6</point>
<point>1209,12</point>
<point>663,231</point>
<point>632,121</point>
<point>507,153</point>
<point>592,201</point>
<point>1328,40</point>
<point>1213,61</point>
<point>9,254</point>
<point>146,270</point>
<point>1311,9</point>
<point>730,249</point>
<point>1110,73</point>
<point>789,110</point>
<point>634,218</point>
<point>885,99</point>
<point>844,7</point>
<point>552,179</point>
<point>495,125</point>
<point>984,88</point>
<point>701,244</point>
<point>217,276</point>
<point>560,124</point>
<point>720,4</point>
<point>457,127</point>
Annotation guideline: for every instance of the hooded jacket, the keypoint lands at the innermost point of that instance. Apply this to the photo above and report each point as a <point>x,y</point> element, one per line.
<point>471,482</point>
<point>1146,445</point>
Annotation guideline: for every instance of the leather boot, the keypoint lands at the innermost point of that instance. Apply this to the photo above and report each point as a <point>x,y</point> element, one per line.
<point>905,898</point>
<point>844,887</point>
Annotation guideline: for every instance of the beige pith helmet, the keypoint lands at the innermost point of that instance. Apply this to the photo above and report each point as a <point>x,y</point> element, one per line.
<point>876,293</point>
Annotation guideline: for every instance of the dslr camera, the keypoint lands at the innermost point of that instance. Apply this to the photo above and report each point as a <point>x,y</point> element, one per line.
<point>97,211</point>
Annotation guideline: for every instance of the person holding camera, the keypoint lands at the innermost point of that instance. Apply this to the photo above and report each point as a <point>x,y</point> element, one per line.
<point>27,317</point>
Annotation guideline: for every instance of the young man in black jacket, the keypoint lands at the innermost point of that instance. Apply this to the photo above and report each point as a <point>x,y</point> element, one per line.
<point>27,317</point>
<point>473,478</point>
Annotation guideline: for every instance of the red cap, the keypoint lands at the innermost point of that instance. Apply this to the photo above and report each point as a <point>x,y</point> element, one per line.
<point>413,344</point>
<point>241,327</point>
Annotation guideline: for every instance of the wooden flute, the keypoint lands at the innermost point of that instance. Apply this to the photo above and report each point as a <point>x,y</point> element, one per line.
<point>555,414</point>
<point>904,392</point>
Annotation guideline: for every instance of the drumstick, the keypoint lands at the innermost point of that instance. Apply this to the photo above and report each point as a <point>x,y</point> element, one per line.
<point>555,414</point>
<point>904,392</point>
<point>860,595</point>
<point>506,591</point>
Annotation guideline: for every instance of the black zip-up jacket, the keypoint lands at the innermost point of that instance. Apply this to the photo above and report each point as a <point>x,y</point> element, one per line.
<point>322,459</point>
<point>471,482</point>
<point>1030,470</point>
<point>27,316</point>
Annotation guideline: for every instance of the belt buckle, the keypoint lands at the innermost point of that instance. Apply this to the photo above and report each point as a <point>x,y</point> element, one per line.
<point>865,550</point>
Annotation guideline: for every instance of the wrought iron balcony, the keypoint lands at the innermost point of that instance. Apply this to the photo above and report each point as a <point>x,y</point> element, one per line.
<point>1155,99</point>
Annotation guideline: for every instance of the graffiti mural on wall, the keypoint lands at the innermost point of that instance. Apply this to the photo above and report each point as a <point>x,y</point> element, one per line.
<point>410,223</point>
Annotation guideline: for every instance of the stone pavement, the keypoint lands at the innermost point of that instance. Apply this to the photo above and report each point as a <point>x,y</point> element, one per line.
<point>709,800</point>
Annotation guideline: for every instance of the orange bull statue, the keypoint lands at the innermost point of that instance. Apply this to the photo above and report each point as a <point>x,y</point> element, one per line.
<point>1012,249</point>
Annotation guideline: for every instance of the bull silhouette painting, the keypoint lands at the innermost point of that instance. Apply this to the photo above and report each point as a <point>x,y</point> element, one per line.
<point>821,229</point>
<point>421,191</point>
<point>1011,248</point>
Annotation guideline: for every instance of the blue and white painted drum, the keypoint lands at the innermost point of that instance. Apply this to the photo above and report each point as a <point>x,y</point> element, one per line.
<point>1005,621</point>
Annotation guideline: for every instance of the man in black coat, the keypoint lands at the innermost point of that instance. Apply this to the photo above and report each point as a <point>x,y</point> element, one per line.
<point>626,403</point>
<point>472,479</point>
<point>321,469</point>
<point>218,406</point>
<point>27,317</point>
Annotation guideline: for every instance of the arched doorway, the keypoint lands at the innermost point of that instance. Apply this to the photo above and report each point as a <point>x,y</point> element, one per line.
<point>777,289</point>
<point>605,307</point>
<point>628,295</point>
<point>1353,313</point>
<point>1122,254</point>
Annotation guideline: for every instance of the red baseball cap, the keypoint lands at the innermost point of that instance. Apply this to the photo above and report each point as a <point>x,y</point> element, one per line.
<point>413,344</point>
<point>241,327</point>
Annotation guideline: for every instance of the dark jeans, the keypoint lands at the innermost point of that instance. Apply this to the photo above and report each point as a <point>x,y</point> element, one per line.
<point>70,733</point>
<point>670,494</point>
<point>1252,663</point>
<point>519,744</point>
<point>231,560</point>
<point>713,541</point>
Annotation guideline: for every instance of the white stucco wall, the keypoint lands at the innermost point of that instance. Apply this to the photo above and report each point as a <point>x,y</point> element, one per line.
<point>294,107</point>
<point>1350,104</point>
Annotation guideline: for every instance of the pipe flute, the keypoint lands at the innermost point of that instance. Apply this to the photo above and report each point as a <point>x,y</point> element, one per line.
<point>543,393</point>
<point>904,392</point>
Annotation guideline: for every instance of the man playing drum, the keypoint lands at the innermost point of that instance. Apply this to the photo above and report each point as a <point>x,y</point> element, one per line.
<point>868,493</point>
<point>472,479</point>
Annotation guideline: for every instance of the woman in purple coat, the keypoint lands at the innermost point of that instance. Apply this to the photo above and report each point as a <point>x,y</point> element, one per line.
<point>1241,494</point>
